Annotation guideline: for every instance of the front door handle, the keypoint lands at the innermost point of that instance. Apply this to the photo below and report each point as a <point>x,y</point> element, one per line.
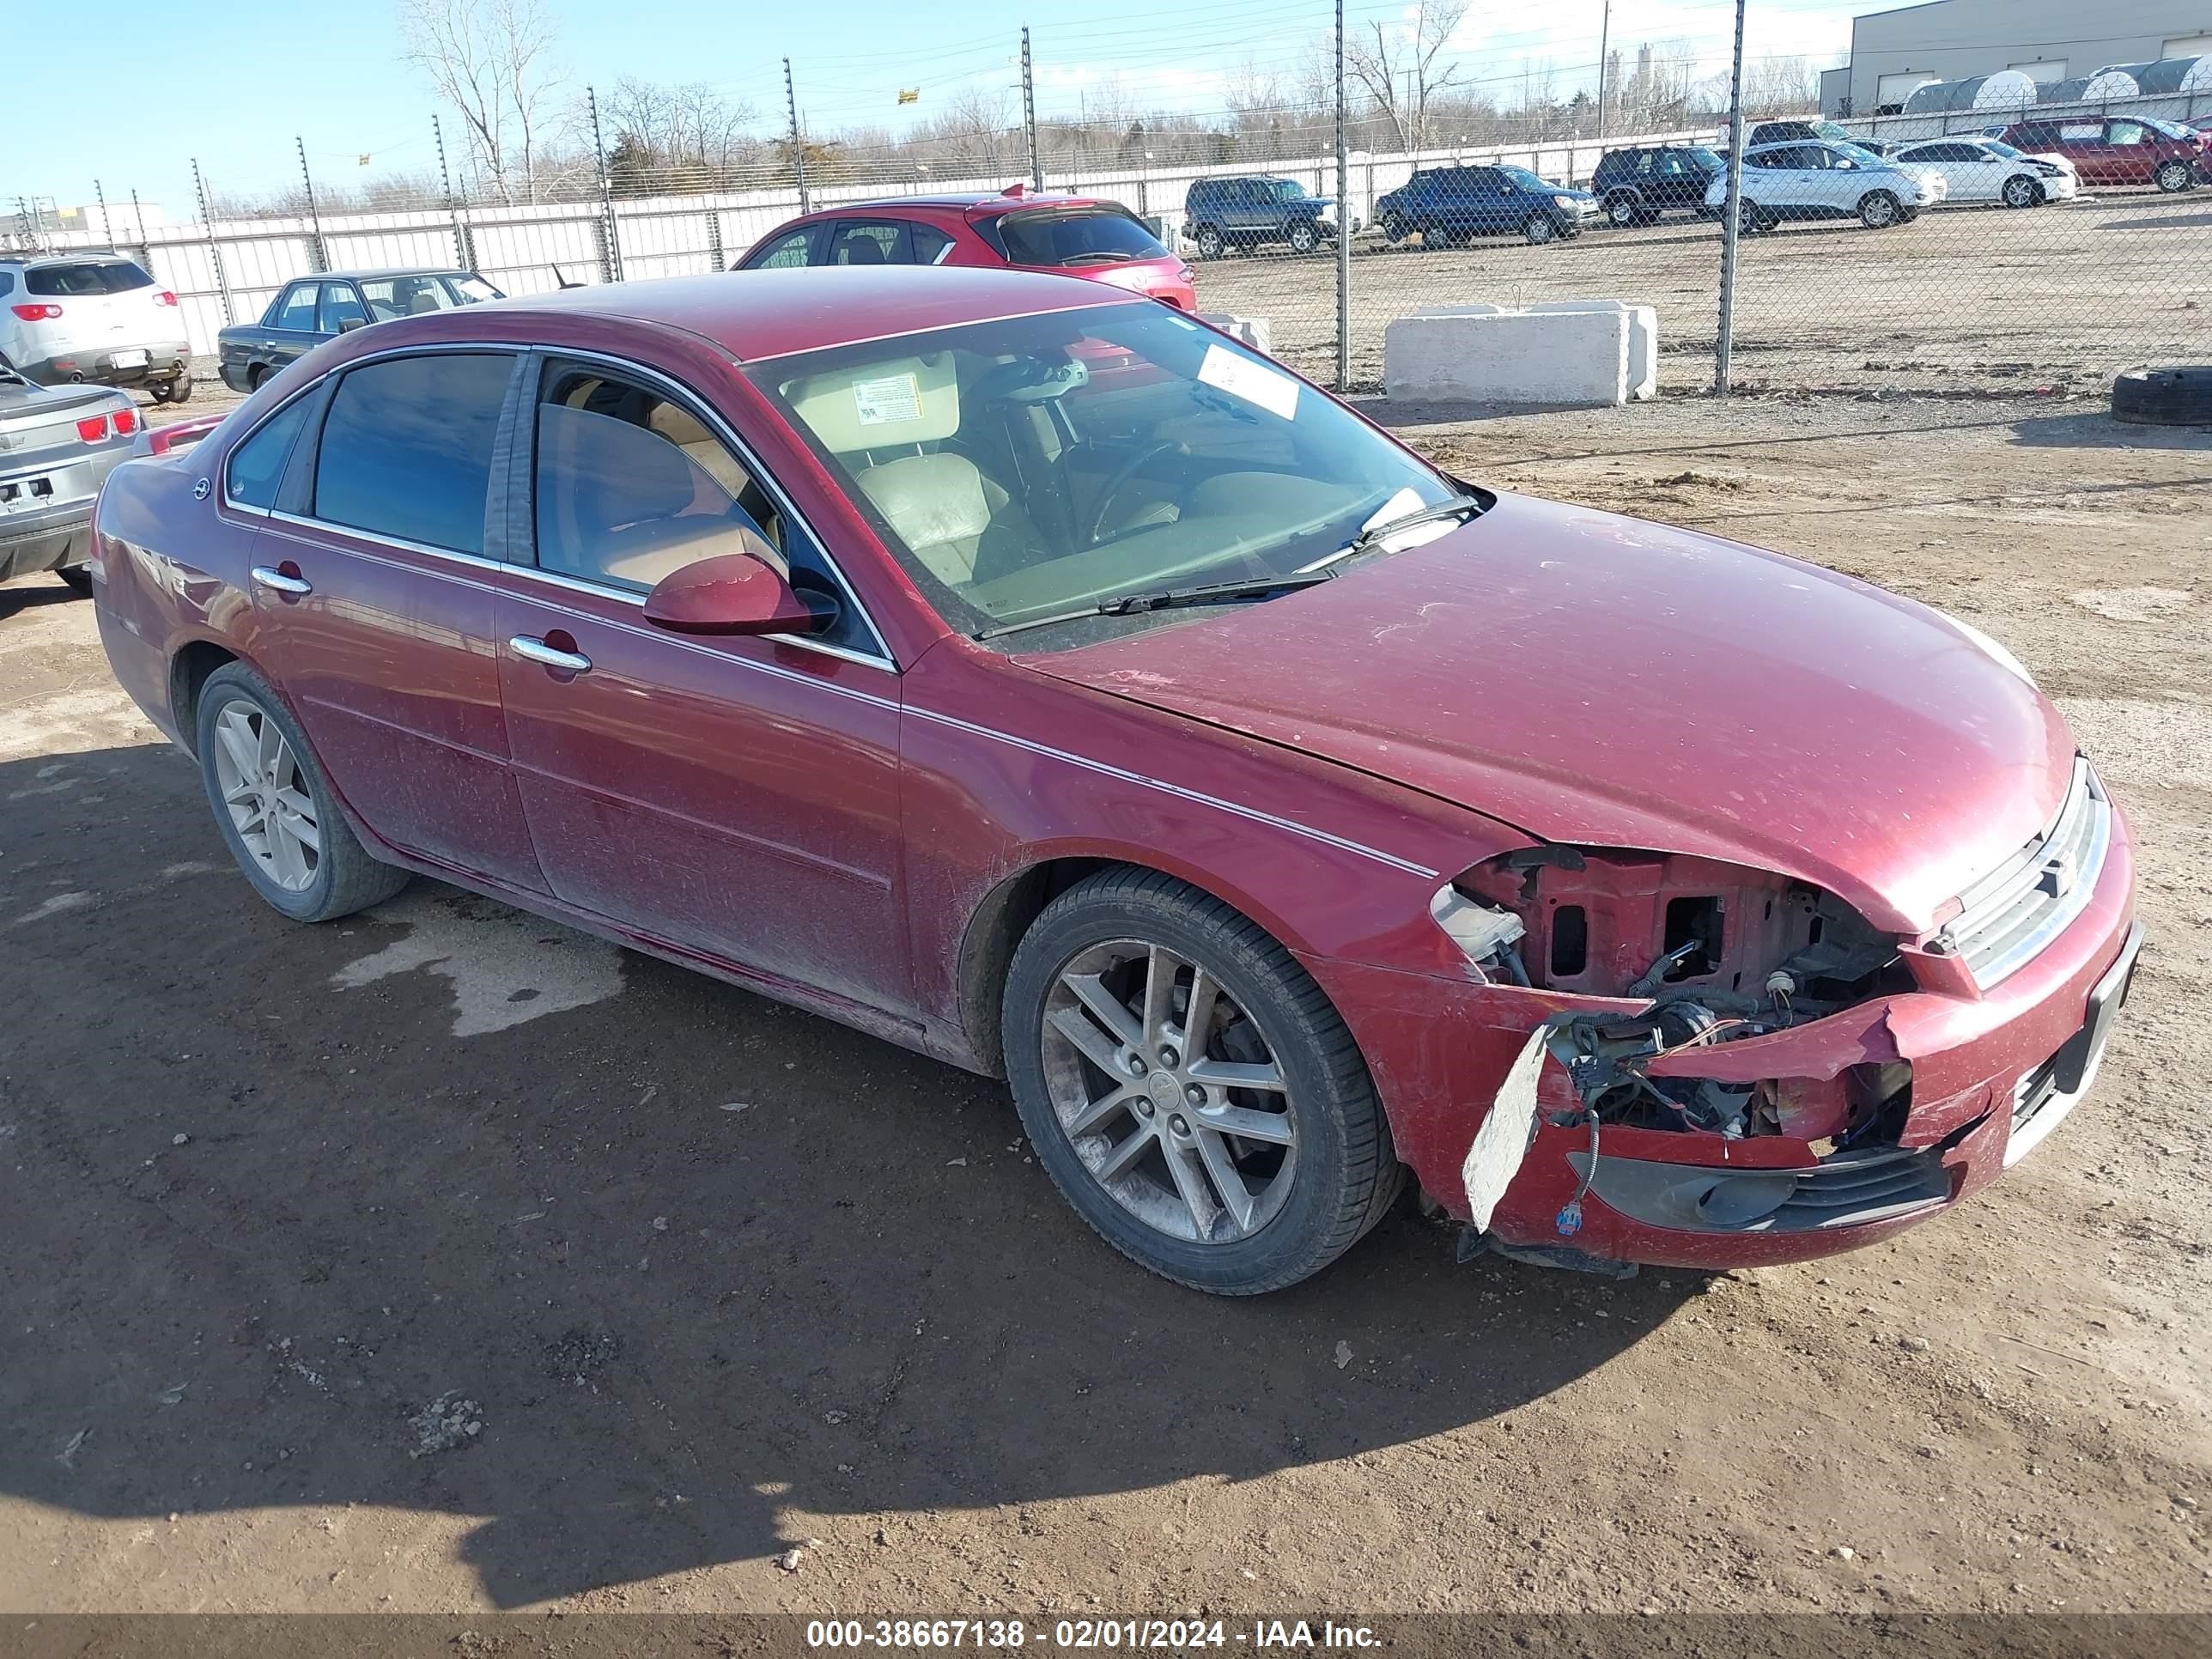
<point>528,645</point>
<point>278,582</point>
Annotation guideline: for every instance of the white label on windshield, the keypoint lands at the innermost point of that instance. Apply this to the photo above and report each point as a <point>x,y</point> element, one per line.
<point>1239,377</point>
<point>893,397</point>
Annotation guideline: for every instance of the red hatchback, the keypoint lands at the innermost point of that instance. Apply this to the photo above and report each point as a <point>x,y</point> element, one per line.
<point>1076,235</point>
<point>1039,679</point>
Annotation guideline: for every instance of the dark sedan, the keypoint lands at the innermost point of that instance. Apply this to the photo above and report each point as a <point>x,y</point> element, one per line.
<point>312,309</point>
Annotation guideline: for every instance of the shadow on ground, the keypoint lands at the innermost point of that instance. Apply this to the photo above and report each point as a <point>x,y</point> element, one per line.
<point>685,1256</point>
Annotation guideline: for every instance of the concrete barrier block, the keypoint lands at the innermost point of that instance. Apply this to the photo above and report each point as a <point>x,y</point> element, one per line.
<point>1643,339</point>
<point>1253,331</point>
<point>1575,359</point>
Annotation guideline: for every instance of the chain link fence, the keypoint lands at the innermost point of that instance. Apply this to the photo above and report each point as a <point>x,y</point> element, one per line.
<point>1947,253</point>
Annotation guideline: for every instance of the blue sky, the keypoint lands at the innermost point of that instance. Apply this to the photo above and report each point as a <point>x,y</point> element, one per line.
<point>234,84</point>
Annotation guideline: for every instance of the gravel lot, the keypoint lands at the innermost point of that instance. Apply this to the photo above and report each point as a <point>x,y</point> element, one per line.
<point>441,1259</point>
<point>1968,301</point>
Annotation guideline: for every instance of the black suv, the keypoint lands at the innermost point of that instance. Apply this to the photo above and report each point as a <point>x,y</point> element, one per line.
<point>1457,204</point>
<point>1636,187</point>
<point>1220,214</point>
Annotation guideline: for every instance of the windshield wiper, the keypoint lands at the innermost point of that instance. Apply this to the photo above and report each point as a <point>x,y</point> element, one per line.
<point>1376,535</point>
<point>1131,604</point>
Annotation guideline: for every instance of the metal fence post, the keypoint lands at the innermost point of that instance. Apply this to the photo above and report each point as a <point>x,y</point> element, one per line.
<point>609,236</point>
<point>462,253</point>
<point>215,249</point>
<point>1343,225</point>
<point>141,213</point>
<point>714,239</point>
<point>1732,225</point>
<point>798,143</point>
<point>106,229</point>
<point>1028,113</point>
<point>318,253</point>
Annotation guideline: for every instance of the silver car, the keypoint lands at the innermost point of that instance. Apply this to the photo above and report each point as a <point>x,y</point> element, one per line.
<point>92,315</point>
<point>58,445</point>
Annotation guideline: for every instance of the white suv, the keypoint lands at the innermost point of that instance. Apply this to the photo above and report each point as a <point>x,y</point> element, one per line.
<point>1807,179</point>
<point>96,317</point>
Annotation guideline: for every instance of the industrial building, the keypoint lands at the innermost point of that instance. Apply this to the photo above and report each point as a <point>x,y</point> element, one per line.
<point>1895,53</point>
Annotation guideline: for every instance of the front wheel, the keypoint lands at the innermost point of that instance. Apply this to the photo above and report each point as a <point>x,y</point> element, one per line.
<point>1210,245</point>
<point>1539,229</point>
<point>276,809</point>
<point>1394,229</point>
<point>1622,212</point>
<point>1878,210</point>
<point>1189,1089</point>
<point>2021,191</point>
<point>2174,176</point>
<point>1302,238</point>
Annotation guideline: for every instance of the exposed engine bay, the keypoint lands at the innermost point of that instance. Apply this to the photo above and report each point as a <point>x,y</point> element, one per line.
<point>1698,953</point>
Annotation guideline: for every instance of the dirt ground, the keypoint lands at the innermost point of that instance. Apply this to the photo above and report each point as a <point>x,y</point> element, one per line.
<point>1966,302</point>
<point>442,1258</point>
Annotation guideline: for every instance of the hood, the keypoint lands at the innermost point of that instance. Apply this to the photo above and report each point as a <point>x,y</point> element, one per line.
<point>1595,679</point>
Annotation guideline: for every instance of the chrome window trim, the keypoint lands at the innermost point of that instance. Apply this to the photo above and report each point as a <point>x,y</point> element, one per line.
<point>251,434</point>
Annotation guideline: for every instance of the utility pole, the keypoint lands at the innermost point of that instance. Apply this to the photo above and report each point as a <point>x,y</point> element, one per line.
<point>1028,112</point>
<point>1732,224</point>
<point>1604,65</point>
<point>798,144</point>
<point>1343,226</point>
<point>322,254</point>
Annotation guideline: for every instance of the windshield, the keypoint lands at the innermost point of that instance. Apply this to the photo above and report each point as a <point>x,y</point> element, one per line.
<point>1708,157</point>
<point>1061,237</point>
<point>2171,129</point>
<point>1998,147</point>
<point>1525,179</point>
<point>1863,156</point>
<point>1290,190</point>
<point>1033,465</point>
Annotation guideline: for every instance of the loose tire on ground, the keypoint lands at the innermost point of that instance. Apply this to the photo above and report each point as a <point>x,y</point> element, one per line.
<point>2178,396</point>
<point>1087,962</point>
<point>344,878</point>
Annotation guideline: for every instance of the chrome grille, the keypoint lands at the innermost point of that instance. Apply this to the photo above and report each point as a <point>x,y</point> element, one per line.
<point>2031,898</point>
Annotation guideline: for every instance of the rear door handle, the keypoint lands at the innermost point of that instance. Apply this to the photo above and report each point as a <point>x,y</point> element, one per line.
<point>528,645</point>
<point>278,582</point>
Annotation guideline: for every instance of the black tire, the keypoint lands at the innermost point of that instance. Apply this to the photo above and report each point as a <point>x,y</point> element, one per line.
<point>1752,220</point>
<point>1394,229</point>
<point>1210,245</point>
<point>2164,397</point>
<point>2021,191</point>
<point>2174,176</point>
<point>179,388</point>
<point>255,376</point>
<point>1879,211</point>
<point>1623,211</point>
<point>346,877</point>
<point>1541,227</point>
<point>77,576</point>
<point>1302,238</point>
<point>1347,1172</point>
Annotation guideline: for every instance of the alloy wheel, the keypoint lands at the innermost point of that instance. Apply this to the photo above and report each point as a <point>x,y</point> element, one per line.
<point>1170,1095</point>
<point>2020,192</point>
<point>1539,228</point>
<point>267,797</point>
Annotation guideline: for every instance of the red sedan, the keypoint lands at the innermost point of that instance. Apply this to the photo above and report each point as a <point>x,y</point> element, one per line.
<point>1037,679</point>
<point>1076,235</point>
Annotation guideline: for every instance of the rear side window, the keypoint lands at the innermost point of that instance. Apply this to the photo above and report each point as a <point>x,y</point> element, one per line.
<point>407,447</point>
<point>931,245</point>
<point>7,283</point>
<point>85,279</point>
<point>1076,236</point>
<point>257,466</point>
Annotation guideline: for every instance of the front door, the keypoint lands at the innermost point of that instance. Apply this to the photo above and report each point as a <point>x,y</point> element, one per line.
<point>370,588</point>
<point>736,797</point>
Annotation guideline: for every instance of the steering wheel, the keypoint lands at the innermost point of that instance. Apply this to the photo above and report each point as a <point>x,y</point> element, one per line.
<point>1124,475</point>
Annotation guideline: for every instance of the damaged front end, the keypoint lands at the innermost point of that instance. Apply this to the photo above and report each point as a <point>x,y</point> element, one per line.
<point>1724,1063</point>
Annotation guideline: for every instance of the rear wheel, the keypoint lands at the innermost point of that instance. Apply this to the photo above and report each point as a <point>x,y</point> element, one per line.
<point>1210,245</point>
<point>1189,1089</point>
<point>255,376</point>
<point>180,387</point>
<point>77,576</point>
<point>2174,176</point>
<point>2021,191</point>
<point>1878,210</point>
<point>274,808</point>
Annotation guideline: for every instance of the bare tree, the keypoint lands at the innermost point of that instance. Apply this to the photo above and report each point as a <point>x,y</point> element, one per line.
<point>1781,86</point>
<point>492,61</point>
<point>1397,67</point>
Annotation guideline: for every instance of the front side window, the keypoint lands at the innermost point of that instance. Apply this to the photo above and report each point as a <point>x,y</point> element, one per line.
<point>1025,467</point>
<point>1289,189</point>
<point>341,306</point>
<point>297,308</point>
<point>1521,178</point>
<point>407,447</point>
<point>1061,238</point>
<point>257,466</point>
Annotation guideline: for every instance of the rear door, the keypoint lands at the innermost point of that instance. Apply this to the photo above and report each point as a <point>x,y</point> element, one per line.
<point>2130,153</point>
<point>371,583</point>
<point>735,797</point>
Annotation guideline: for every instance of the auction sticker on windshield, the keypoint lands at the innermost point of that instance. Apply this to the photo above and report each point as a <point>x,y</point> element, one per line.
<point>890,398</point>
<point>1241,377</point>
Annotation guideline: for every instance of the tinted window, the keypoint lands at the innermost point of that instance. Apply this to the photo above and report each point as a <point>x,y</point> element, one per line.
<point>257,466</point>
<point>867,243</point>
<point>1076,236</point>
<point>1522,178</point>
<point>88,277</point>
<point>296,309</point>
<point>406,448</point>
<point>6,282</point>
<point>341,306</point>
<point>931,245</point>
<point>786,252</point>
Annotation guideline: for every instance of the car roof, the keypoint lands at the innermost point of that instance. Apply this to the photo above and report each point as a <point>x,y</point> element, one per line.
<point>758,314</point>
<point>965,201</point>
<point>73,256</point>
<point>378,272</point>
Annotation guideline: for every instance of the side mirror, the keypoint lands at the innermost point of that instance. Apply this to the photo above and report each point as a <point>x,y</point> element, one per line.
<point>349,324</point>
<point>730,593</point>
